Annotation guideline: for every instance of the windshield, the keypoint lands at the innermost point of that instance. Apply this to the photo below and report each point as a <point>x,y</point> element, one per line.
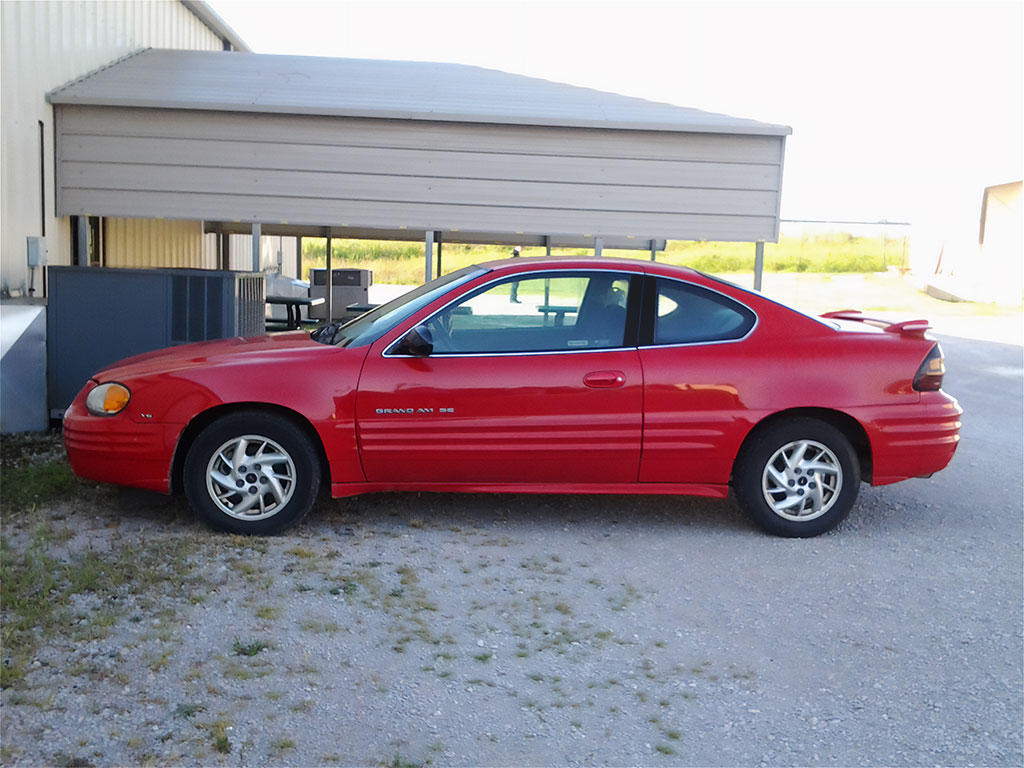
<point>367,328</point>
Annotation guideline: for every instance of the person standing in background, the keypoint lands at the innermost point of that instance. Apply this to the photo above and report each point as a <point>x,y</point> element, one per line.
<point>516,253</point>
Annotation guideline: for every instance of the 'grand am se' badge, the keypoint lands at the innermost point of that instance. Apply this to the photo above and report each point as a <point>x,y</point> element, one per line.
<point>402,411</point>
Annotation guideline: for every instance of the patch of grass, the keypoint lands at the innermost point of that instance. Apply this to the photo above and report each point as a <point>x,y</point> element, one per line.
<point>301,553</point>
<point>400,263</point>
<point>665,749</point>
<point>268,612</point>
<point>37,485</point>
<point>38,589</point>
<point>483,658</point>
<point>248,649</point>
<point>283,745</point>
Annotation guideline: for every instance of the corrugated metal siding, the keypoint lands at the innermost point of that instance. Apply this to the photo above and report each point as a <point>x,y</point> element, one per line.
<point>393,174</point>
<point>42,46</point>
<point>148,243</point>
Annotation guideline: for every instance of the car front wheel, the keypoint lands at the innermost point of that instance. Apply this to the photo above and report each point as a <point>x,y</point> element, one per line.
<point>797,478</point>
<point>252,473</point>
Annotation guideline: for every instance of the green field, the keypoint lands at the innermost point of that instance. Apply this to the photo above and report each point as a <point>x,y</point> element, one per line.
<point>401,263</point>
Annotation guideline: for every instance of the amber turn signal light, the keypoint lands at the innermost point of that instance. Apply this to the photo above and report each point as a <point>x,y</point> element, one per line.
<point>108,399</point>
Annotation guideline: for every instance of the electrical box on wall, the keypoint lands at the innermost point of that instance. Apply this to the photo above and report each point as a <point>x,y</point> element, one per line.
<point>36,251</point>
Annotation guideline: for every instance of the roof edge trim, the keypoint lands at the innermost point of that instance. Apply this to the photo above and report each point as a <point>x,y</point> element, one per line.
<point>759,129</point>
<point>50,97</point>
<point>202,11</point>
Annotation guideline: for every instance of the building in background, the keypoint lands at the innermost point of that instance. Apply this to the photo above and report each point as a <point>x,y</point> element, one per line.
<point>989,268</point>
<point>44,46</point>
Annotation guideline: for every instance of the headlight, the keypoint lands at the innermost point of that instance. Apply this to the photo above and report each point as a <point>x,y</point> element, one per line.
<point>108,399</point>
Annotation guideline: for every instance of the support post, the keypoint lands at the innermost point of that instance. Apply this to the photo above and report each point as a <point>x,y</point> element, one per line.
<point>82,231</point>
<point>256,227</point>
<point>654,251</point>
<point>438,254</point>
<point>547,246</point>
<point>758,264</point>
<point>598,246</point>
<point>223,259</point>
<point>298,257</point>
<point>428,254</point>
<point>329,282</point>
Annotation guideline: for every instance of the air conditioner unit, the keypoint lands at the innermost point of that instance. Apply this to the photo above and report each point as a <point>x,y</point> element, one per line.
<point>96,316</point>
<point>349,286</point>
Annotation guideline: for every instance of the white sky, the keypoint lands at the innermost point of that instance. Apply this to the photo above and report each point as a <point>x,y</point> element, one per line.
<point>899,110</point>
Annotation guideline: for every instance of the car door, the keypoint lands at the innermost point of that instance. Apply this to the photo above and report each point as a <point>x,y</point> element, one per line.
<point>697,377</point>
<point>531,380</point>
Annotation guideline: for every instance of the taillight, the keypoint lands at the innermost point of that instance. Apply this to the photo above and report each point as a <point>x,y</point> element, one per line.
<point>929,375</point>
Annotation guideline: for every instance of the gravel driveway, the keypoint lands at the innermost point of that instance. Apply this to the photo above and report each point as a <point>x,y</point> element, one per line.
<point>407,630</point>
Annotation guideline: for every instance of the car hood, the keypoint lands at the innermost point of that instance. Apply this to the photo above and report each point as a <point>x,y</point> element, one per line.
<point>279,347</point>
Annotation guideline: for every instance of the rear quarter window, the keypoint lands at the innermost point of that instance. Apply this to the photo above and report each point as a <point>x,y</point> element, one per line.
<point>685,314</point>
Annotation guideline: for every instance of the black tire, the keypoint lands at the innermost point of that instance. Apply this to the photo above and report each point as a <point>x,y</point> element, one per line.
<point>811,484</point>
<point>273,495</point>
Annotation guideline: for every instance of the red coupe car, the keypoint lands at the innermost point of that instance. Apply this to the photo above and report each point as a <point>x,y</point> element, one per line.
<point>536,376</point>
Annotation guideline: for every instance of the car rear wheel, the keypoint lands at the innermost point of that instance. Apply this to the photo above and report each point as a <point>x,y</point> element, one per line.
<point>797,478</point>
<point>252,473</point>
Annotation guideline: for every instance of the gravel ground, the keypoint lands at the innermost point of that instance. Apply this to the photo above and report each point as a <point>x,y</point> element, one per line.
<point>406,630</point>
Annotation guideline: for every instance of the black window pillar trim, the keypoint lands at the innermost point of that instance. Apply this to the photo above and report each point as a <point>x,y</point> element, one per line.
<point>645,336</point>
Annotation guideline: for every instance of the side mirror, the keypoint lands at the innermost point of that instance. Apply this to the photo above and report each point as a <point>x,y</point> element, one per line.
<point>418,342</point>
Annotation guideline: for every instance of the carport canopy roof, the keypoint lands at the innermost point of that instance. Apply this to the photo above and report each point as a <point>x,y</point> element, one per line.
<point>405,90</point>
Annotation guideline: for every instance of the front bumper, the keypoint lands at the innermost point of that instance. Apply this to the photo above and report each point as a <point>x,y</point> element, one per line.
<point>115,449</point>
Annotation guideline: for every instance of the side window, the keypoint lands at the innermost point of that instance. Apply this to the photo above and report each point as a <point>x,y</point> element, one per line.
<point>687,313</point>
<point>546,313</point>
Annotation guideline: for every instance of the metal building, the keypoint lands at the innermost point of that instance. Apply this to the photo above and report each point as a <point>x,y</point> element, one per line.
<point>393,149</point>
<point>43,45</point>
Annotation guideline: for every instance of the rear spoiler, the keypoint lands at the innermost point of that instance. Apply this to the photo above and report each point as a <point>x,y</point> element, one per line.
<point>907,327</point>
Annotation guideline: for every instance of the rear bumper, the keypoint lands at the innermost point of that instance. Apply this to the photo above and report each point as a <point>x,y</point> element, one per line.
<point>913,440</point>
<point>117,450</point>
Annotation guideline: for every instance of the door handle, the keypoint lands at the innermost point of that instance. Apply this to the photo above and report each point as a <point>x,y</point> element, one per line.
<point>605,379</point>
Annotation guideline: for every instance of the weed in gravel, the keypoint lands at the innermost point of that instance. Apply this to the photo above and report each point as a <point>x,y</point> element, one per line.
<point>185,711</point>
<point>248,649</point>
<point>157,663</point>
<point>301,552</point>
<point>218,731</point>
<point>319,627</point>
<point>305,706</point>
<point>252,670</point>
<point>665,749</point>
<point>619,602</point>
<point>268,612</point>
<point>674,735</point>
<point>282,745</point>
<point>62,760</point>
<point>400,762</point>
<point>483,658</point>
